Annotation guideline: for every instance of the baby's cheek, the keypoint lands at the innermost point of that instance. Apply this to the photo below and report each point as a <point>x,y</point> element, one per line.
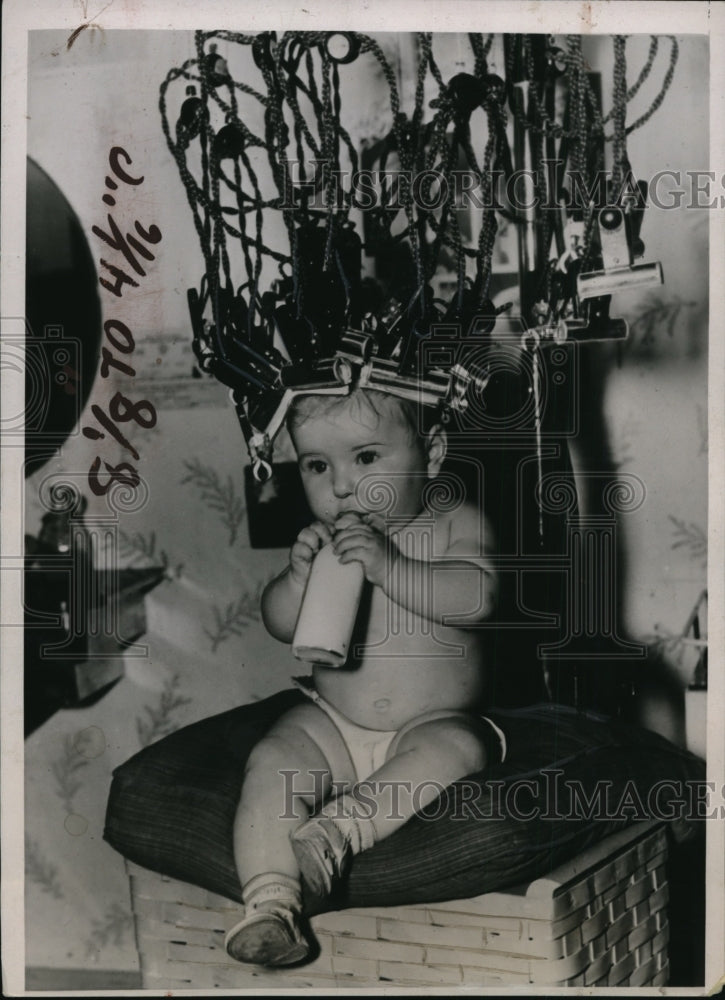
<point>311,487</point>
<point>320,505</point>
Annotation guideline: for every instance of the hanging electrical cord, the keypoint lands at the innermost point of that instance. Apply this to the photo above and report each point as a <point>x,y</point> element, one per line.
<point>262,335</point>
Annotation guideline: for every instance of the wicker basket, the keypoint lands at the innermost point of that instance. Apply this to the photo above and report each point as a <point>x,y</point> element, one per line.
<point>600,919</point>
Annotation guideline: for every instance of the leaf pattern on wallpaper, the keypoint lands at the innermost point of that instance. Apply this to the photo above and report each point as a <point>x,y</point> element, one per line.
<point>664,642</point>
<point>236,617</point>
<point>219,496</point>
<point>141,547</point>
<point>158,720</point>
<point>137,550</point>
<point>655,314</point>
<point>702,428</point>
<point>623,440</point>
<point>690,536</point>
<point>66,771</point>
<point>113,929</point>
<point>40,871</point>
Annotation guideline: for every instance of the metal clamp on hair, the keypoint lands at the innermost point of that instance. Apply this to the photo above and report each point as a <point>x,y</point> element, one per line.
<point>461,382</point>
<point>598,328</point>
<point>242,363</point>
<point>434,387</point>
<point>331,374</point>
<point>338,376</point>
<point>619,272</point>
<point>259,445</point>
<point>201,329</point>
<point>222,353</point>
<point>327,377</point>
<point>357,346</point>
<point>430,389</point>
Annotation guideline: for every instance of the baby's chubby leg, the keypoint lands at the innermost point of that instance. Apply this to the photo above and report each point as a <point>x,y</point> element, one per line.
<point>288,773</point>
<point>426,755</point>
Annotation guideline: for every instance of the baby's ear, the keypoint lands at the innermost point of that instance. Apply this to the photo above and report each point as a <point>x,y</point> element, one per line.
<point>436,448</point>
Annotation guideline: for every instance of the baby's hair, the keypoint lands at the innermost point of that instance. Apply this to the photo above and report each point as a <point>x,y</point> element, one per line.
<point>417,418</point>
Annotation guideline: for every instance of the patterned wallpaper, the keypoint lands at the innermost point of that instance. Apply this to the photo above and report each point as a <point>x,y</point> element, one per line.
<point>206,650</point>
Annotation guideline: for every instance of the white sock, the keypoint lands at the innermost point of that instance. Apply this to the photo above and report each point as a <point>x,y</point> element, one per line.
<point>272,888</point>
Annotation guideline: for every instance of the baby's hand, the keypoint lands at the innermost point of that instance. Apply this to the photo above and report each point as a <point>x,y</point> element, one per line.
<point>309,541</point>
<point>361,538</point>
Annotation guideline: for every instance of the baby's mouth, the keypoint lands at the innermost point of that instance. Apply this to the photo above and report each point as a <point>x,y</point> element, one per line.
<point>360,514</point>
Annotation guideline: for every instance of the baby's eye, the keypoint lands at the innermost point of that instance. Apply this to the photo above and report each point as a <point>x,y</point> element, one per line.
<point>366,457</point>
<point>315,465</point>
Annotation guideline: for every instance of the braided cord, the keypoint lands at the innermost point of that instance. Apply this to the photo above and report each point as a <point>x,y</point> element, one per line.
<point>212,234</point>
<point>619,110</point>
<point>656,103</point>
<point>298,72</point>
<point>416,226</point>
<point>425,44</point>
<point>193,192</point>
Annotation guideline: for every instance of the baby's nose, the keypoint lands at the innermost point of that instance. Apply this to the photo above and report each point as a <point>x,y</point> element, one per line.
<point>343,484</point>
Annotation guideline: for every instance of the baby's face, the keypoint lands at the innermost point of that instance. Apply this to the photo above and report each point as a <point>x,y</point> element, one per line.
<point>344,453</point>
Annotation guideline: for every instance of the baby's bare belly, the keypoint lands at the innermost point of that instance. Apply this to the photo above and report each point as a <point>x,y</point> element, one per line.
<point>403,669</point>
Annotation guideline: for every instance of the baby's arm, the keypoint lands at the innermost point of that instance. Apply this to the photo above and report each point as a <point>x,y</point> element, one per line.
<point>282,597</point>
<point>459,581</point>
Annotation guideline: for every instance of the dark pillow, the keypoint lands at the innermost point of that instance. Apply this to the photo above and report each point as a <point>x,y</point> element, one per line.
<point>569,779</point>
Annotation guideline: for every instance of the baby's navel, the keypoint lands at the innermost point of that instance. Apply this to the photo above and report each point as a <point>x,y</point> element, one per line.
<point>382,704</point>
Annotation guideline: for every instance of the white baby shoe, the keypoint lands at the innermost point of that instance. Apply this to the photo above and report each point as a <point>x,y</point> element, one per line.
<point>322,852</point>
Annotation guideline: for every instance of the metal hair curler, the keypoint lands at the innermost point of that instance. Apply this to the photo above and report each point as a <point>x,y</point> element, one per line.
<point>383,375</point>
<point>328,373</point>
<point>619,272</point>
<point>594,324</point>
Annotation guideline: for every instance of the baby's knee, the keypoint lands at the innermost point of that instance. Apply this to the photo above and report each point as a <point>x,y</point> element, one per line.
<point>284,744</point>
<point>288,758</point>
<point>275,775</point>
<point>272,749</point>
<point>460,740</point>
<point>268,761</point>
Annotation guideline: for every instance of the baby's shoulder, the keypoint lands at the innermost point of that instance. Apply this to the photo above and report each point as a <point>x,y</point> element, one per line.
<point>462,527</point>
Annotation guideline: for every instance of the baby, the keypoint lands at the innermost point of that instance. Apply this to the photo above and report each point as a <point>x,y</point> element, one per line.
<point>378,739</point>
